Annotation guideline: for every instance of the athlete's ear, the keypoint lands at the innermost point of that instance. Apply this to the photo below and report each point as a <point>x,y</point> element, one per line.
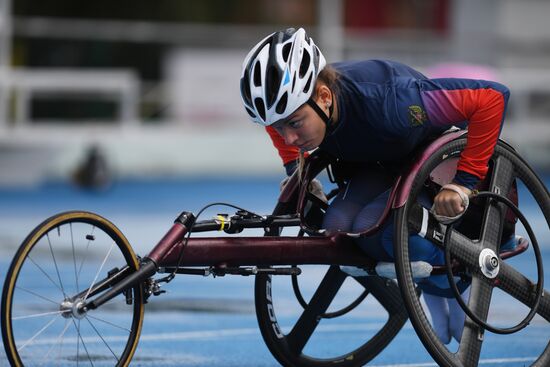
<point>323,96</point>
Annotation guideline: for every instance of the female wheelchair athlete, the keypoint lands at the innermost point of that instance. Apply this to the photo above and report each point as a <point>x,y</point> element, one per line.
<point>87,303</point>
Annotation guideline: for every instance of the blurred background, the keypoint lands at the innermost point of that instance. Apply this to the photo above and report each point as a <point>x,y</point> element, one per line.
<point>131,109</point>
<point>92,92</point>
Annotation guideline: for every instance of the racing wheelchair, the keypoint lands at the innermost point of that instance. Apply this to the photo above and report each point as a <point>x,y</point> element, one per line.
<point>51,296</point>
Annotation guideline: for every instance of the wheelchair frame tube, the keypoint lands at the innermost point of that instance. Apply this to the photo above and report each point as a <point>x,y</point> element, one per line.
<point>265,251</point>
<point>178,231</point>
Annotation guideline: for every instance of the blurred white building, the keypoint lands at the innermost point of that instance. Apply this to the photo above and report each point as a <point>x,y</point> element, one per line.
<point>203,129</point>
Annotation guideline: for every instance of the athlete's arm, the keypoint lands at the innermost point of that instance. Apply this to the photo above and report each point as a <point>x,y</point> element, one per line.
<point>482,105</point>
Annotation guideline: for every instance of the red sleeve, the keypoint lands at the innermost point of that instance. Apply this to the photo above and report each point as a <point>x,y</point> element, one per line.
<point>287,153</point>
<point>483,109</point>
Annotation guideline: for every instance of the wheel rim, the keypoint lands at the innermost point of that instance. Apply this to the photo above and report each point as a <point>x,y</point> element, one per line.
<point>292,342</point>
<point>42,322</point>
<point>506,166</point>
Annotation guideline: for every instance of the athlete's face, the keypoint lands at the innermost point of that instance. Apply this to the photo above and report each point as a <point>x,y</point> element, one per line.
<point>303,129</point>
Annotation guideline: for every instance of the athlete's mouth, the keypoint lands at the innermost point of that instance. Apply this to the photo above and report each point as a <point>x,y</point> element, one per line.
<point>304,146</point>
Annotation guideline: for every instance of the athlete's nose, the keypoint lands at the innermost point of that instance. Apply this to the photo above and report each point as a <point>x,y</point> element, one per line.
<point>291,137</point>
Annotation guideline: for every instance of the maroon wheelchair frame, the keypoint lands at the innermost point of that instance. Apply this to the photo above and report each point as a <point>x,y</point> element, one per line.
<point>331,250</point>
<point>174,251</point>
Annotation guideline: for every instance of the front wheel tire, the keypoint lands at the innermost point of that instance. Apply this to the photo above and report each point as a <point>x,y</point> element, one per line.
<point>48,279</point>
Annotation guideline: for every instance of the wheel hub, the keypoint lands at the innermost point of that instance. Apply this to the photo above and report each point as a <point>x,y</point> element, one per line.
<point>489,263</point>
<point>72,309</point>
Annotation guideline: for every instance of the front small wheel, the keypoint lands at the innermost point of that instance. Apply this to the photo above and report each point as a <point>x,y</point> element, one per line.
<point>50,278</point>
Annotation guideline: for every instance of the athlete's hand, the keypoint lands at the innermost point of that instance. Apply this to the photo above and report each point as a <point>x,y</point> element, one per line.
<point>449,203</point>
<point>315,187</point>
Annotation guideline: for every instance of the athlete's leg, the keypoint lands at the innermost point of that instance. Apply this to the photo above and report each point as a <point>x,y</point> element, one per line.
<point>361,189</point>
<point>420,249</point>
<point>370,188</point>
<point>457,315</point>
<point>439,311</point>
<point>365,219</point>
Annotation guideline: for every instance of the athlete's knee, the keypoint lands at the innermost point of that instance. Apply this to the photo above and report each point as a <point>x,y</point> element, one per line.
<point>421,249</point>
<point>337,219</point>
<point>372,246</point>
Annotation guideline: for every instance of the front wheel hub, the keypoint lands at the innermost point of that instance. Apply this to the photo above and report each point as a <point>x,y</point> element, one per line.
<point>72,309</point>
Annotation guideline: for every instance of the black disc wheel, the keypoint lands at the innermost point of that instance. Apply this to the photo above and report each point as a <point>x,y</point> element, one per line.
<point>502,292</point>
<point>325,322</point>
<point>64,261</point>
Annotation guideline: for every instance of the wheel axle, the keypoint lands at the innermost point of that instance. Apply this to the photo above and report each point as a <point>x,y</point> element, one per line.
<point>489,263</point>
<point>74,309</point>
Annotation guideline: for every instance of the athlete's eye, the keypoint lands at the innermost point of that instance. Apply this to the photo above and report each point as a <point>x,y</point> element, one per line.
<point>295,124</point>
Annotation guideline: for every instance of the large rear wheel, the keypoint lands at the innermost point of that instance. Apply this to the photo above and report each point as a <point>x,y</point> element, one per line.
<point>507,281</point>
<point>325,317</point>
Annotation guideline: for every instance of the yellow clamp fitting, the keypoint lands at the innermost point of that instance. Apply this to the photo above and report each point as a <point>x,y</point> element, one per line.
<point>221,218</point>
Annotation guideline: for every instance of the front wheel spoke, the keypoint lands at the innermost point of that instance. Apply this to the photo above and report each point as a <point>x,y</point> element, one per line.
<point>86,252</point>
<point>472,336</point>
<point>37,295</point>
<point>55,263</point>
<point>104,342</point>
<point>78,341</point>
<point>109,323</point>
<point>68,324</point>
<point>99,271</point>
<point>319,303</point>
<point>521,288</point>
<point>58,340</point>
<point>38,315</point>
<point>37,334</point>
<point>74,258</point>
<point>47,276</point>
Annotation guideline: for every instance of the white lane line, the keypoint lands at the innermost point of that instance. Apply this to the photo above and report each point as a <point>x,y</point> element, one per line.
<point>481,361</point>
<point>214,334</point>
<point>209,334</point>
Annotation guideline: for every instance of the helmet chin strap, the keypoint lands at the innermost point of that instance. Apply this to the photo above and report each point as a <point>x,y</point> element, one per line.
<point>326,119</point>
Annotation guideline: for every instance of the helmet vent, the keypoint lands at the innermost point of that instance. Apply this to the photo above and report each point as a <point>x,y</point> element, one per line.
<point>260,107</point>
<point>257,74</point>
<point>250,112</point>
<point>272,85</point>
<point>281,106</point>
<point>286,51</point>
<point>245,89</point>
<point>304,65</point>
<point>308,84</point>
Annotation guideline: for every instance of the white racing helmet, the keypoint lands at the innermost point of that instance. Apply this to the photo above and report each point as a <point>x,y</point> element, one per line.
<point>279,75</point>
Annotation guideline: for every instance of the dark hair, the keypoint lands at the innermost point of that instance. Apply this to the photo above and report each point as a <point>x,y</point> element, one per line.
<point>330,77</point>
